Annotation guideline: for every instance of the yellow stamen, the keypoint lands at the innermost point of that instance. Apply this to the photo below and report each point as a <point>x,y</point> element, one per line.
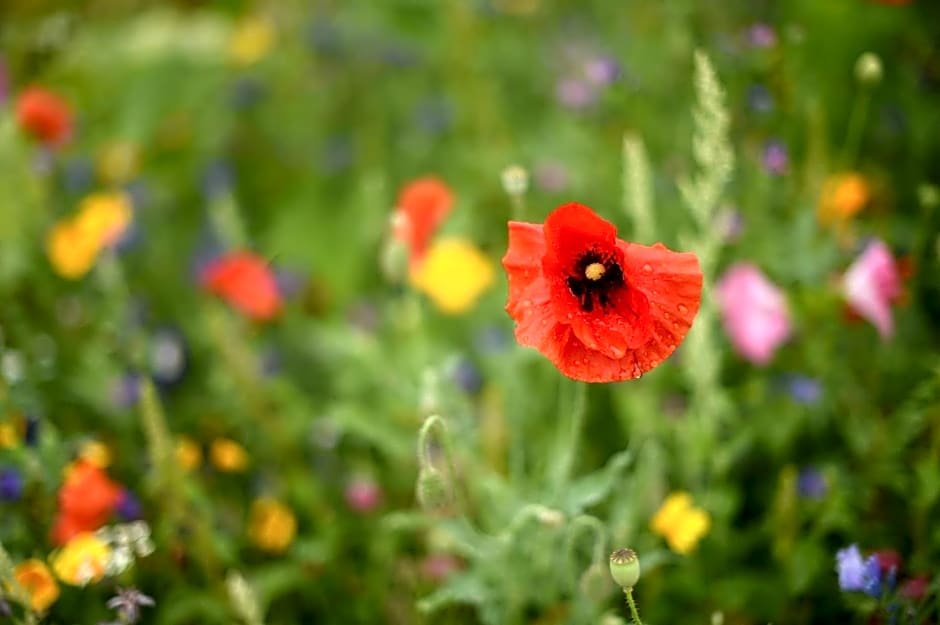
<point>594,271</point>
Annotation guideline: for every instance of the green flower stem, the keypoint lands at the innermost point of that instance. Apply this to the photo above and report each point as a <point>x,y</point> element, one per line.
<point>628,592</point>
<point>569,436</point>
<point>853,135</point>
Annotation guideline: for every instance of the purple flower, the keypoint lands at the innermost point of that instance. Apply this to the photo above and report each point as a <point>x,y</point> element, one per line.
<point>761,35</point>
<point>128,602</point>
<point>128,507</point>
<point>601,70</point>
<point>11,485</point>
<point>574,93</point>
<point>857,574</point>
<point>804,389</point>
<point>776,160</point>
<point>811,483</point>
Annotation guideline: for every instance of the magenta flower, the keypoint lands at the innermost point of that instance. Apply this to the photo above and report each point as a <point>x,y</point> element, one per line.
<point>871,284</point>
<point>363,494</point>
<point>754,312</point>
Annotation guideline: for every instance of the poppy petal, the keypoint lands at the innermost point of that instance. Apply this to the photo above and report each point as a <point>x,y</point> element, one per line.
<point>672,281</point>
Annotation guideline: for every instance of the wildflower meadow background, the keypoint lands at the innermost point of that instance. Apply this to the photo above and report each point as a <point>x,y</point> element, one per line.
<point>258,364</point>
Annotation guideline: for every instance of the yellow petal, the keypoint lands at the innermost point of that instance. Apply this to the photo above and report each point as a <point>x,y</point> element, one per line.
<point>454,274</point>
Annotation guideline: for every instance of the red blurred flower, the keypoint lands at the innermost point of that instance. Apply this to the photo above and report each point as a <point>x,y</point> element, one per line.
<point>245,281</point>
<point>889,559</point>
<point>915,588</point>
<point>44,115</point>
<point>87,498</point>
<point>601,309</point>
<point>422,206</point>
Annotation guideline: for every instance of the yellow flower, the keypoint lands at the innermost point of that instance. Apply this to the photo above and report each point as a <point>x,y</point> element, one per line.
<point>9,435</point>
<point>188,454</point>
<point>252,40</point>
<point>103,217</point>
<point>272,525</point>
<point>70,251</point>
<point>73,244</point>
<point>842,197</point>
<point>118,161</point>
<point>228,456</point>
<point>97,453</point>
<point>454,273</point>
<point>84,559</point>
<point>35,578</point>
<point>680,523</point>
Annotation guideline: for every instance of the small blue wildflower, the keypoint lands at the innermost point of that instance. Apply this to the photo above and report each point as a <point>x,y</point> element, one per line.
<point>467,376</point>
<point>856,574</point>
<point>11,485</point>
<point>804,389</point>
<point>811,483</point>
<point>760,99</point>
<point>125,391</point>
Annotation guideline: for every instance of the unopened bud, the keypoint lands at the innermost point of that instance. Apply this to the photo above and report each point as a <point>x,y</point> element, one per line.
<point>868,70</point>
<point>595,585</point>
<point>432,490</point>
<point>625,568</point>
<point>515,180</point>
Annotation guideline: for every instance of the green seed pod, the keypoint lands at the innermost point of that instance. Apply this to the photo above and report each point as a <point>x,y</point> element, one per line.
<point>432,490</point>
<point>625,568</point>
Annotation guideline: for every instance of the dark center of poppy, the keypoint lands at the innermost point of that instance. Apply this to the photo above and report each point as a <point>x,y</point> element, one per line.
<point>595,278</point>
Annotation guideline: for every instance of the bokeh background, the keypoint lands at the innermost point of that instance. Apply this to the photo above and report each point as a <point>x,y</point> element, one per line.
<point>217,355</point>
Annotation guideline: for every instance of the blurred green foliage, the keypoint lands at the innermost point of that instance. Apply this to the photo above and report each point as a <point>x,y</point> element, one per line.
<point>298,153</point>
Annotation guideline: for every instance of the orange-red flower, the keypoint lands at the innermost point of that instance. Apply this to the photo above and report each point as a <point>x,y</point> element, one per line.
<point>87,498</point>
<point>245,281</point>
<point>44,115</point>
<point>422,206</point>
<point>601,309</point>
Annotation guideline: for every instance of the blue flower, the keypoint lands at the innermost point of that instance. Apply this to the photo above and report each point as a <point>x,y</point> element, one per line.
<point>804,389</point>
<point>11,485</point>
<point>857,574</point>
<point>811,483</point>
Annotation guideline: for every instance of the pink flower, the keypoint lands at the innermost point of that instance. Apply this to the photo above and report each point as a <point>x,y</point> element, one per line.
<point>754,312</point>
<point>363,494</point>
<point>871,284</point>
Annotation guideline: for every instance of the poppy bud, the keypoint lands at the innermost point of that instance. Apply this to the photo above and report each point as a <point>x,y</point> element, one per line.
<point>625,568</point>
<point>868,69</point>
<point>433,491</point>
<point>594,583</point>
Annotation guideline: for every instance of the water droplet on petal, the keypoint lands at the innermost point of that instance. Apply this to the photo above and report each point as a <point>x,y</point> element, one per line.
<point>683,309</point>
<point>647,268</point>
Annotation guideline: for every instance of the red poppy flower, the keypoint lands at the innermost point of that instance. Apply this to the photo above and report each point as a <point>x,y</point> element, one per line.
<point>44,115</point>
<point>422,206</point>
<point>87,498</point>
<point>245,281</point>
<point>601,309</point>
